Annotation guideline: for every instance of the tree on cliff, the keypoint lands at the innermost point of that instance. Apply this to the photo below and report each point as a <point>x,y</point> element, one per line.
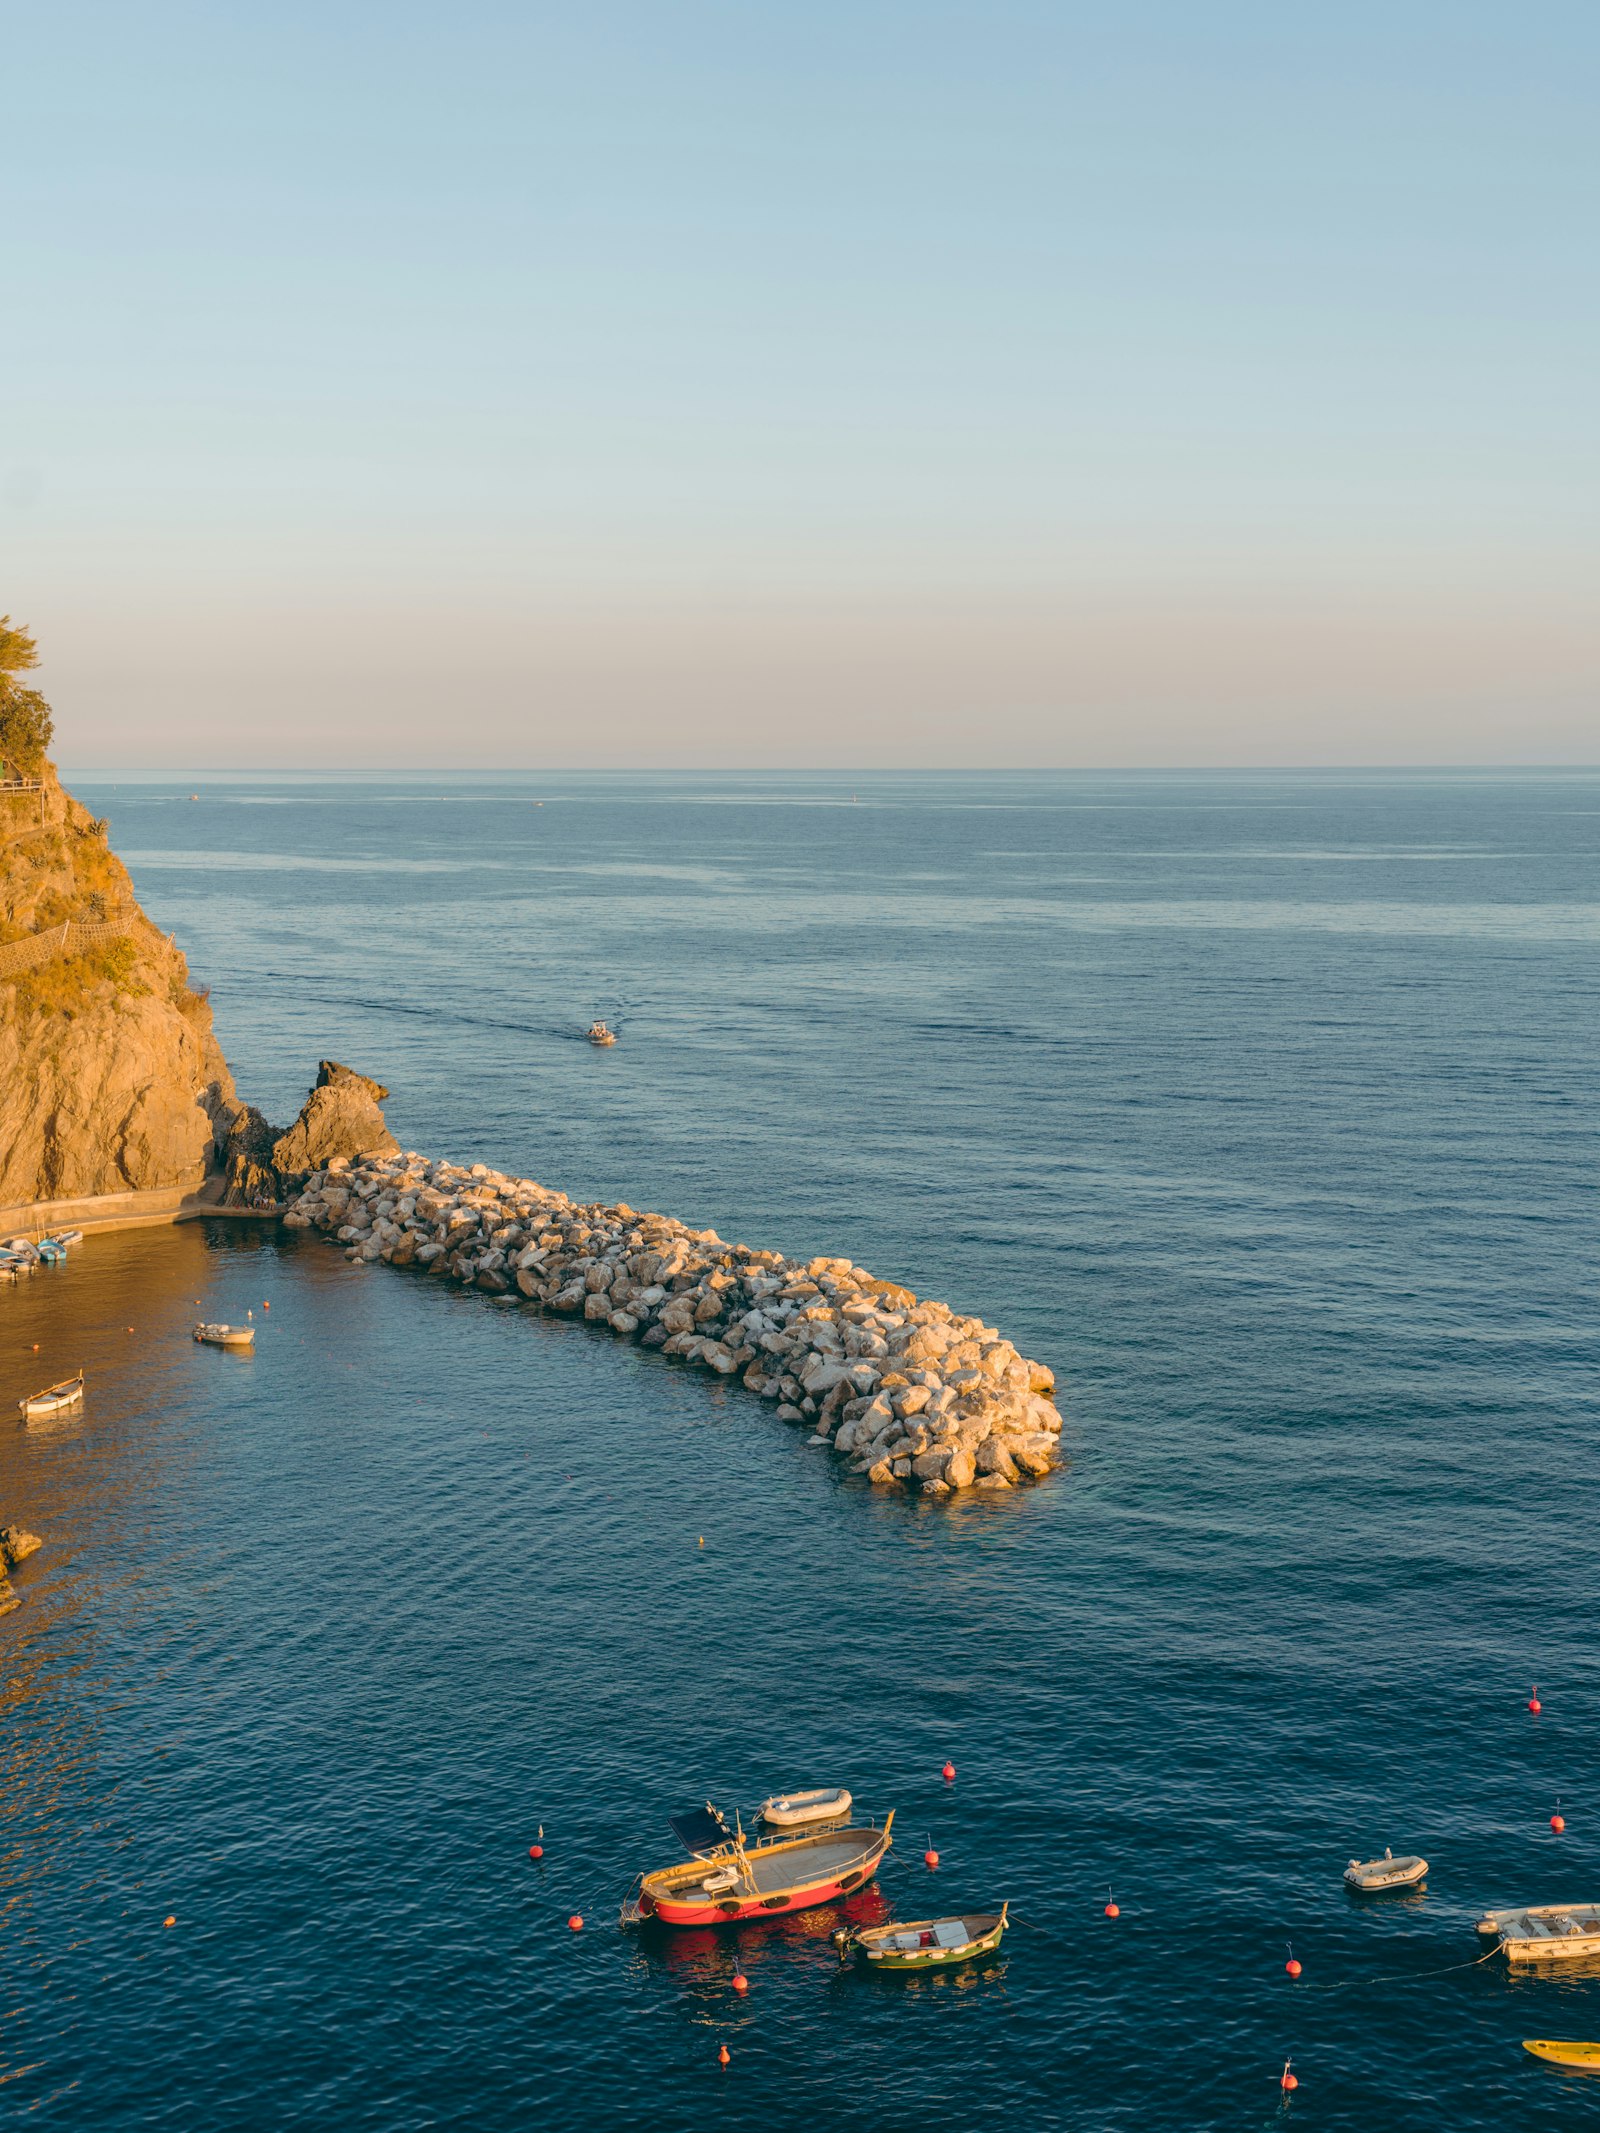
<point>25,721</point>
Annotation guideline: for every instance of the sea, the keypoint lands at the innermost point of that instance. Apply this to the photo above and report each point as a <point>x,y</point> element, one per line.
<point>1261,1107</point>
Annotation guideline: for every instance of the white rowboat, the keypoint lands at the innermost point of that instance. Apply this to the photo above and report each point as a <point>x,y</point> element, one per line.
<point>1372,1875</point>
<point>56,1400</point>
<point>804,1810</point>
<point>1546,1932</point>
<point>217,1336</point>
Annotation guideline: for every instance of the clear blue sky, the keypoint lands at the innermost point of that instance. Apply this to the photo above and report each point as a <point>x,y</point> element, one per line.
<point>674,382</point>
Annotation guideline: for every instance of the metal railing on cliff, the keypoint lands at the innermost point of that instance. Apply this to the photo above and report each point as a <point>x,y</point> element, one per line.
<point>69,938</point>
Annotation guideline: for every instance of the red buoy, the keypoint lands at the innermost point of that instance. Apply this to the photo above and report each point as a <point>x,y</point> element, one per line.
<point>723,2055</point>
<point>535,1851</point>
<point>1113,1910</point>
<point>930,1857</point>
<point>740,1982</point>
<point>1287,2080</point>
<point>576,1921</point>
<point>1292,1967</point>
<point>949,1768</point>
<point>1558,1823</point>
<point>1534,1704</point>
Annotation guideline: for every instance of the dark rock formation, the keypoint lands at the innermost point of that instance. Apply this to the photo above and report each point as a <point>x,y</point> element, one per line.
<point>109,1071</point>
<point>339,1118</point>
<point>244,1145</point>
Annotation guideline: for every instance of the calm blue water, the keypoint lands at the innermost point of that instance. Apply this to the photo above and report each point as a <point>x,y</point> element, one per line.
<point>1262,1107</point>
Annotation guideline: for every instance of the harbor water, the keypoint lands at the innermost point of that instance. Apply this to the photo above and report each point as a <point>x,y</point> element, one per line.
<point>1261,1107</point>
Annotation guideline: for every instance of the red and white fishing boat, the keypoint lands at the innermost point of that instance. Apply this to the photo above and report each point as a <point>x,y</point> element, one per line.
<point>732,1879</point>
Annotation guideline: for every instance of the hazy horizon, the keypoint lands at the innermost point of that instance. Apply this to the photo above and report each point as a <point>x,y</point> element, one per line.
<point>1016,387</point>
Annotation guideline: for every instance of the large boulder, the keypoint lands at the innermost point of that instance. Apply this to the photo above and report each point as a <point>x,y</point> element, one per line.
<point>339,1118</point>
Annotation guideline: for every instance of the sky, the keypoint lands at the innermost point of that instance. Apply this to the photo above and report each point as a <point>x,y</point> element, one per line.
<point>699,382</point>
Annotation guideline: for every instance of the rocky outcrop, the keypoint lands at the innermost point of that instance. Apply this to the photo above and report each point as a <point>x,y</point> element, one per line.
<point>244,1146</point>
<point>340,1119</point>
<point>109,1070</point>
<point>15,1546</point>
<point>911,1393</point>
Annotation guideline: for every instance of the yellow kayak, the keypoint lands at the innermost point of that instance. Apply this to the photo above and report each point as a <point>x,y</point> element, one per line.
<point>1584,2056</point>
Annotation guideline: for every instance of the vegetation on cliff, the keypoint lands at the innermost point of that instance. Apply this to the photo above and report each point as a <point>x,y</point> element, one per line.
<point>26,726</point>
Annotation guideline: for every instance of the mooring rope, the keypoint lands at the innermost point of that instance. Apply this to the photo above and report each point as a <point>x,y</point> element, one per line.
<point>1404,1977</point>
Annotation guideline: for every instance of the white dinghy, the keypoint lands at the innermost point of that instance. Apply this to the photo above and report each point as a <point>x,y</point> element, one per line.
<point>1372,1875</point>
<point>59,1399</point>
<point>1546,1932</point>
<point>218,1336</point>
<point>805,1810</point>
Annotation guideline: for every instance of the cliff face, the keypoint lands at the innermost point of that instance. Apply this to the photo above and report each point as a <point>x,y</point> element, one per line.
<point>110,1076</point>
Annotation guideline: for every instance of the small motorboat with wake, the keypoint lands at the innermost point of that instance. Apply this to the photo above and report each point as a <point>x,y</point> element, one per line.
<point>219,1336</point>
<point>728,1879</point>
<point>1370,1877</point>
<point>599,1034</point>
<point>1546,1932</point>
<point>926,1943</point>
<point>54,1400</point>
<point>805,1810</point>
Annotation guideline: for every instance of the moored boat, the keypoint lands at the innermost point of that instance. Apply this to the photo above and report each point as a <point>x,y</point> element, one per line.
<point>1371,1876</point>
<point>1546,1932</point>
<point>54,1400</point>
<point>806,1810</point>
<point>740,1880</point>
<point>67,1238</point>
<point>219,1336</point>
<point>1585,2058</point>
<point>924,1943</point>
<point>50,1252</point>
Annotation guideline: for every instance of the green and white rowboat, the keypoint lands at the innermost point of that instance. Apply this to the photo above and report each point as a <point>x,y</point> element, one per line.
<point>926,1943</point>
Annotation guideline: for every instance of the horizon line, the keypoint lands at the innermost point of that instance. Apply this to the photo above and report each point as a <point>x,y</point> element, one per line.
<point>826,770</point>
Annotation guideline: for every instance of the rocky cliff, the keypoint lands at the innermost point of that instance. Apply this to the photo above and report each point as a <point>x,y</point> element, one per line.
<point>111,1079</point>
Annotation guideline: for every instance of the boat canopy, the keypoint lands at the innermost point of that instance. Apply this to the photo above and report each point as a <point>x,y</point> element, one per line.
<point>701,1830</point>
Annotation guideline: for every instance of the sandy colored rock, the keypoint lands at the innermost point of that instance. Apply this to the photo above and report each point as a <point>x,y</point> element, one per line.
<point>16,1545</point>
<point>994,1458</point>
<point>339,1118</point>
<point>109,1070</point>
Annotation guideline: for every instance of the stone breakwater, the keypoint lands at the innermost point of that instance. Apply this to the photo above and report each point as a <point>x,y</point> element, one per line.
<point>909,1392</point>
